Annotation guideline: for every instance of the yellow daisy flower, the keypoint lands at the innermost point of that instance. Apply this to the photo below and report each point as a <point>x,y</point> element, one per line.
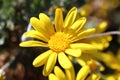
<point>61,38</point>
<point>102,7</point>
<point>111,60</point>
<point>69,74</point>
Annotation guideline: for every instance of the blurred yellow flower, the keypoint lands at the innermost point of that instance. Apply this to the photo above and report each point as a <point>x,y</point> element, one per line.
<point>98,8</point>
<point>111,60</point>
<point>83,73</point>
<point>114,76</point>
<point>93,76</point>
<point>100,42</point>
<point>61,38</point>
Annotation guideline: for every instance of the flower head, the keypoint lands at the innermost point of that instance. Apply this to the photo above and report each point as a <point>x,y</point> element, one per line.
<point>61,38</point>
<point>111,60</point>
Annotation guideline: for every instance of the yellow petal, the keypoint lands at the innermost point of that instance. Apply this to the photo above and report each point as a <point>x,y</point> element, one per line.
<point>39,26</point>
<point>81,61</point>
<point>87,48</point>
<point>32,43</point>
<point>73,52</point>
<point>99,45</point>
<point>100,42</point>
<point>94,77</point>
<point>111,77</point>
<point>70,17</point>
<point>41,59</point>
<point>70,73</point>
<point>36,34</point>
<point>101,27</point>
<point>47,23</point>
<point>52,77</point>
<point>110,60</point>
<point>90,55</point>
<point>83,72</point>
<point>64,61</point>
<point>83,34</point>
<point>118,54</point>
<point>77,26</point>
<point>50,64</point>
<point>59,73</point>
<point>58,19</point>
<point>86,10</point>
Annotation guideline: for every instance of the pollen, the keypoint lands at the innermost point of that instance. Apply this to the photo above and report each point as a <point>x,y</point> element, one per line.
<point>59,42</point>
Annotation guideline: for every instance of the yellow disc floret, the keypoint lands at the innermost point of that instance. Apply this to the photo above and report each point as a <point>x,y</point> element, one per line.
<point>59,42</point>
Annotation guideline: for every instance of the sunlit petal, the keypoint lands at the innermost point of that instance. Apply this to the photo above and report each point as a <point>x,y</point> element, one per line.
<point>58,19</point>
<point>36,34</point>
<point>83,72</point>
<point>73,52</point>
<point>83,34</point>
<point>41,59</point>
<point>47,23</point>
<point>84,47</point>
<point>52,77</point>
<point>64,61</point>
<point>81,61</point>
<point>50,64</point>
<point>59,73</point>
<point>94,77</point>
<point>32,43</point>
<point>70,17</point>
<point>39,26</point>
<point>76,26</point>
<point>70,73</point>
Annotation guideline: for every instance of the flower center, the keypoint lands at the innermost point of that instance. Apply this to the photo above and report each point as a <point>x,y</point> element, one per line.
<point>59,42</point>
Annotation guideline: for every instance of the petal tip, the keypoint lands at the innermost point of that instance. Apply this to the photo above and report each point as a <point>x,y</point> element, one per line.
<point>32,19</point>
<point>35,64</point>
<point>20,44</point>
